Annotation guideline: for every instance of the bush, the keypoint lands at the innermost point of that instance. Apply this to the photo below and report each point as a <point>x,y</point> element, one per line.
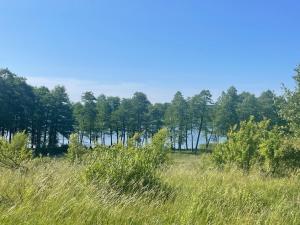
<point>14,154</point>
<point>271,150</point>
<point>241,147</point>
<point>257,144</point>
<point>75,149</point>
<point>290,154</point>
<point>131,168</point>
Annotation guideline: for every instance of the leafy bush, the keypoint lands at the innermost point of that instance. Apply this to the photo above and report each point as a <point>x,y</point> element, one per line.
<point>242,145</point>
<point>257,144</point>
<point>271,150</point>
<point>130,168</point>
<point>75,149</point>
<point>290,154</point>
<point>13,155</point>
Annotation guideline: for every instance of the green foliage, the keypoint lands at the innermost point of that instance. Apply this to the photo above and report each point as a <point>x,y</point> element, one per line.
<point>61,117</point>
<point>242,145</point>
<point>16,101</point>
<point>130,168</point>
<point>176,119</point>
<point>290,153</point>
<point>89,114</point>
<point>255,143</point>
<point>227,115</point>
<point>46,115</point>
<point>247,106</point>
<point>156,117</point>
<point>290,106</point>
<point>200,114</point>
<point>269,108</point>
<point>14,154</point>
<point>271,150</point>
<point>75,149</point>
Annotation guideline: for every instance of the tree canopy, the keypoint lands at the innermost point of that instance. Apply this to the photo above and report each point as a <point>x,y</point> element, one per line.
<point>49,117</point>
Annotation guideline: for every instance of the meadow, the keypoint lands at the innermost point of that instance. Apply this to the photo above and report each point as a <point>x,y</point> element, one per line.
<point>149,112</point>
<point>54,191</point>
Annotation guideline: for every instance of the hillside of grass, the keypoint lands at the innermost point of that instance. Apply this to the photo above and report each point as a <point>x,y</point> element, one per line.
<point>53,191</point>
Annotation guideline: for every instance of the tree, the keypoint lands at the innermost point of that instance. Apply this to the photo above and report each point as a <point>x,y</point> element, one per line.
<point>123,118</point>
<point>16,100</point>
<point>199,105</point>
<point>140,107</point>
<point>61,116</point>
<point>226,115</point>
<point>177,116</point>
<point>269,107</point>
<point>79,122</point>
<point>89,113</point>
<point>113,105</point>
<point>40,117</point>
<point>247,106</point>
<point>170,122</point>
<point>103,117</point>
<point>210,126</point>
<point>290,110</point>
<point>156,117</point>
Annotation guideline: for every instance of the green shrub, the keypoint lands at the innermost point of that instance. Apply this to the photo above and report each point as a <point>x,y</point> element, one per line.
<point>75,149</point>
<point>129,168</point>
<point>255,143</point>
<point>290,154</point>
<point>271,150</point>
<point>241,148</point>
<point>14,154</point>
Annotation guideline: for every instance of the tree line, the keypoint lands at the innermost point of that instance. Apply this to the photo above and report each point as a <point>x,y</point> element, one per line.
<point>49,117</point>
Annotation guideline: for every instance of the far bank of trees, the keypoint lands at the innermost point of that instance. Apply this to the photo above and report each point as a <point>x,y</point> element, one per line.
<point>49,117</point>
<point>108,120</point>
<point>40,112</point>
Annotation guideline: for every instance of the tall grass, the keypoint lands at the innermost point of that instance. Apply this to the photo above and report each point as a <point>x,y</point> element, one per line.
<point>53,191</point>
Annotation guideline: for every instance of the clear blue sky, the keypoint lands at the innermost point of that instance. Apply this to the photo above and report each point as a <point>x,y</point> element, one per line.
<point>155,46</point>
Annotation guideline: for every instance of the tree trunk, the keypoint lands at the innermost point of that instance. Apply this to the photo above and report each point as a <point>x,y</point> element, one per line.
<point>38,139</point>
<point>209,139</point>
<point>90,138</point>
<point>81,137</point>
<point>192,137</point>
<point>186,139</point>
<point>32,138</point>
<point>199,133</point>
<point>100,139</point>
<point>45,137</point>
<point>124,133</point>
<point>180,140</point>
<point>117,136</point>
<point>9,138</point>
<point>146,138</point>
<point>103,138</point>
<point>171,141</point>
<point>111,137</point>
<point>174,140</point>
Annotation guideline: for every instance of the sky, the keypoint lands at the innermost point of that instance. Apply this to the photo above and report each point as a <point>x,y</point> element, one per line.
<point>156,46</point>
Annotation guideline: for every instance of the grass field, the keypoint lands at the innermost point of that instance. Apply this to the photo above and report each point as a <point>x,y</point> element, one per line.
<point>55,192</point>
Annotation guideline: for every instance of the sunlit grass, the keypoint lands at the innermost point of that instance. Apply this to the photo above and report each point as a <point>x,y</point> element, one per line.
<point>53,191</point>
